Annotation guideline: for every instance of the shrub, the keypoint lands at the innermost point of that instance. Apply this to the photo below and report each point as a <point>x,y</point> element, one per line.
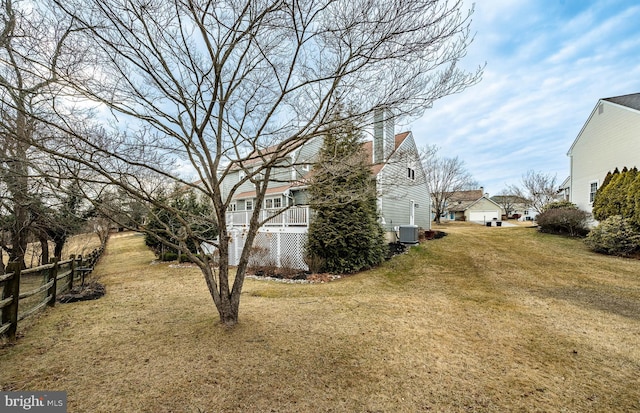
<point>615,236</point>
<point>559,205</point>
<point>169,256</point>
<point>565,221</point>
<point>185,258</point>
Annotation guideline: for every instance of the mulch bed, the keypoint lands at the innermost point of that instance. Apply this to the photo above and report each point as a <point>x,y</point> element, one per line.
<point>90,291</point>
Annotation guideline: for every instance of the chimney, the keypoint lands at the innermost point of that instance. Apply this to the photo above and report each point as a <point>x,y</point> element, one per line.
<point>383,135</point>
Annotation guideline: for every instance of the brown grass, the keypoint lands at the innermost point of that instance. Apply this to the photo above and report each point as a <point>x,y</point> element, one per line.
<point>485,319</point>
<point>80,244</point>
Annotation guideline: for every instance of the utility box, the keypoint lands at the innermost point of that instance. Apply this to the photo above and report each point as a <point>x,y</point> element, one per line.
<point>408,234</point>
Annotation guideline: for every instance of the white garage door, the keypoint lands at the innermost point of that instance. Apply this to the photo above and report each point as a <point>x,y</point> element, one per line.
<point>483,216</point>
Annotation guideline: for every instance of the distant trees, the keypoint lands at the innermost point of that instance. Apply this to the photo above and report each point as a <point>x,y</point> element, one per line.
<point>537,188</point>
<point>344,234</point>
<point>444,177</point>
<point>162,225</point>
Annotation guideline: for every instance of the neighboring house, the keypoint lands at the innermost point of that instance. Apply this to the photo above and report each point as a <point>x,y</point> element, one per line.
<point>400,180</point>
<point>518,207</point>
<point>472,205</point>
<point>564,192</point>
<point>609,139</point>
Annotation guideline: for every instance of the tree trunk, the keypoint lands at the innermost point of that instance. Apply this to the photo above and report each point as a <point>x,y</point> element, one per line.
<point>59,243</point>
<point>227,303</point>
<point>44,247</point>
<point>228,310</point>
<point>19,234</point>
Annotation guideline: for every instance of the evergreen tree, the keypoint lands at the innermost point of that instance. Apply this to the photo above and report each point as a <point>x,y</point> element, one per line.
<point>344,234</point>
<point>187,206</point>
<point>619,195</point>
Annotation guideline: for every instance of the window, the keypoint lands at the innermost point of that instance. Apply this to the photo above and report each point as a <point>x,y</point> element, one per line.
<point>411,170</point>
<point>593,188</point>
<point>271,203</point>
<point>241,175</point>
<point>248,205</point>
<point>232,207</point>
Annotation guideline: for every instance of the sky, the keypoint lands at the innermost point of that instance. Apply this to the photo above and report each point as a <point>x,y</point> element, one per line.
<point>547,64</point>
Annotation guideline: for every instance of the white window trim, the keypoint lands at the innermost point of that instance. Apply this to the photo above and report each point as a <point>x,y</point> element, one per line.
<point>272,201</point>
<point>592,195</point>
<point>411,170</point>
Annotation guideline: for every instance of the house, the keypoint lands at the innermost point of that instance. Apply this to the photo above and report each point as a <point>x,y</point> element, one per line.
<point>515,207</point>
<point>609,139</point>
<point>472,205</point>
<point>400,181</point>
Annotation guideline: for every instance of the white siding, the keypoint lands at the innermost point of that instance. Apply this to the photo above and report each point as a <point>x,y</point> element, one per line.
<point>610,139</point>
<point>483,210</point>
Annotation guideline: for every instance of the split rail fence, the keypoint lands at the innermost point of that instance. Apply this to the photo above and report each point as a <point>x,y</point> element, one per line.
<point>43,284</point>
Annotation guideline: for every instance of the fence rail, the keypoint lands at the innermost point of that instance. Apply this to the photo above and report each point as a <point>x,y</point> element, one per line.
<point>49,280</point>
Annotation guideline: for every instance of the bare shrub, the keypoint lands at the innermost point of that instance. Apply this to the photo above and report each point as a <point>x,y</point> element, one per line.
<point>565,221</point>
<point>261,262</point>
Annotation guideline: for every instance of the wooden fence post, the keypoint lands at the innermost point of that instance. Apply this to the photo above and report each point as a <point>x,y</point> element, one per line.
<point>12,289</point>
<point>53,275</point>
<point>73,270</point>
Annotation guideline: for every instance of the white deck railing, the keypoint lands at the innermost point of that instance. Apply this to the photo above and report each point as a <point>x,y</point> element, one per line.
<point>297,216</point>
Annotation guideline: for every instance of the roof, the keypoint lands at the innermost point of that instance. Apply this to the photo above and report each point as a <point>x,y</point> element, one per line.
<point>631,101</point>
<point>270,191</point>
<point>459,201</point>
<point>367,147</point>
<point>462,206</point>
<point>508,198</point>
<point>472,195</point>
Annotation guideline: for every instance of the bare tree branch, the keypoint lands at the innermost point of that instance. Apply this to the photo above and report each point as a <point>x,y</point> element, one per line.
<point>229,86</point>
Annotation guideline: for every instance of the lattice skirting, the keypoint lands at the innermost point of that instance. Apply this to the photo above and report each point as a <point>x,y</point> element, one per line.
<point>282,249</point>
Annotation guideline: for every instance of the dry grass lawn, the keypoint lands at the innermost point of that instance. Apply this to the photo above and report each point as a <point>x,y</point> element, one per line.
<point>485,319</point>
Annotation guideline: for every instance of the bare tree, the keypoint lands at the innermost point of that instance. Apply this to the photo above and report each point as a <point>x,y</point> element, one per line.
<point>31,52</point>
<point>240,85</point>
<point>444,177</point>
<point>537,188</point>
<point>509,202</point>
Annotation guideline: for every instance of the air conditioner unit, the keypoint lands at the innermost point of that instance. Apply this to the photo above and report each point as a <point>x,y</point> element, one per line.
<point>408,234</point>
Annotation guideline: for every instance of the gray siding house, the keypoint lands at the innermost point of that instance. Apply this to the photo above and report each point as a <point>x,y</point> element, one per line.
<point>403,198</point>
